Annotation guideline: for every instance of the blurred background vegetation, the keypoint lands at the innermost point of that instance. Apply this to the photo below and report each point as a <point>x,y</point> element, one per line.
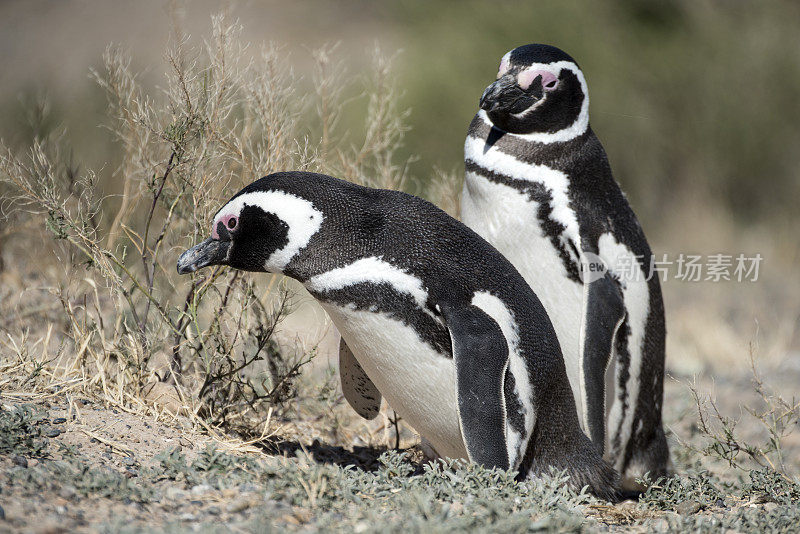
<point>694,100</point>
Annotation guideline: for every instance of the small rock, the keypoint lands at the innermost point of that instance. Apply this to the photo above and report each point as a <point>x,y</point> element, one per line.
<point>129,460</point>
<point>59,420</point>
<point>2,514</point>
<point>67,492</point>
<point>20,461</point>
<point>187,517</point>
<point>688,507</point>
<point>240,505</point>
<point>52,433</point>
<point>201,489</point>
<point>61,510</point>
<point>174,493</point>
<point>770,506</point>
<point>659,525</point>
<point>213,510</point>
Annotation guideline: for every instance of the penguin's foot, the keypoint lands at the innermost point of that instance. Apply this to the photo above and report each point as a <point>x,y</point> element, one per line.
<point>649,462</point>
<point>585,467</point>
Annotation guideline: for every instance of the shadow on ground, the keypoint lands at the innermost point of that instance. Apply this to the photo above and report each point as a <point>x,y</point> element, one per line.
<point>365,458</point>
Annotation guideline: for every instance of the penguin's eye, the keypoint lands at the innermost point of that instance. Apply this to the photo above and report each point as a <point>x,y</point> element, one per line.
<point>232,223</point>
<point>551,85</point>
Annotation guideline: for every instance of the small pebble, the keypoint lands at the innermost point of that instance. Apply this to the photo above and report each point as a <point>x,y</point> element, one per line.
<point>770,506</point>
<point>688,507</point>
<point>213,510</point>
<point>201,488</point>
<point>67,492</point>
<point>59,421</point>
<point>239,506</point>
<point>174,493</point>
<point>20,460</point>
<point>187,517</point>
<point>52,433</point>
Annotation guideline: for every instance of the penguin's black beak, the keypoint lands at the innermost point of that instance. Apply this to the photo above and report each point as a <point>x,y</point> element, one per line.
<point>506,95</point>
<point>209,252</point>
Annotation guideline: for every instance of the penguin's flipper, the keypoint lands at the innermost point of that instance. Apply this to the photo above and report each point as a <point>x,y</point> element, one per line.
<point>603,312</point>
<point>480,354</point>
<point>358,389</point>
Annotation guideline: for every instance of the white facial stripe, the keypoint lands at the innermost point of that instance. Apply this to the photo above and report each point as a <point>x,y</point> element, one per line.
<point>374,270</point>
<point>300,215</point>
<point>556,181</point>
<point>573,130</point>
<point>497,310</point>
<point>636,295</point>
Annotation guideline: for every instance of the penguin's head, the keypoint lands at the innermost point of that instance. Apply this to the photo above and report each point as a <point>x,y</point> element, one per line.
<point>539,89</point>
<point>260,229</point>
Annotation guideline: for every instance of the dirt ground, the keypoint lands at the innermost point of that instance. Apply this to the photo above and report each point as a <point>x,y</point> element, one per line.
<point>145,491</point>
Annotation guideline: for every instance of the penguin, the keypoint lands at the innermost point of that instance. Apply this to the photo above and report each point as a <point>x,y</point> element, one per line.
<point>538,186</point>
<point>432,318</point>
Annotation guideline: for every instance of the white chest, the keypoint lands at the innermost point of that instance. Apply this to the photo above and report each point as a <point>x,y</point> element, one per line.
<point>508,219</point>
<point>416,381</point>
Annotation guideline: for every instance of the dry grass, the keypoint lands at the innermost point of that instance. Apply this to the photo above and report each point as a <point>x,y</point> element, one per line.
<point>128,329</point>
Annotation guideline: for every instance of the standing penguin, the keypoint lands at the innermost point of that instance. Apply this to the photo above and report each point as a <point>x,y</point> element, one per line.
<point>437,320</point>
<point>539,188</point>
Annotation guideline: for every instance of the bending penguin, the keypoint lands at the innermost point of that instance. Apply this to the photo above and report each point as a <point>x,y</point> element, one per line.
<point>436,320</point>
<point>539,188</point>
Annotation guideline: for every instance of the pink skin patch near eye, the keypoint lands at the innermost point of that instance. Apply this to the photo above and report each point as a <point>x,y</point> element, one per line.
<point>526,77</point>
<point>230,222</point>
<point>504,66</point>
